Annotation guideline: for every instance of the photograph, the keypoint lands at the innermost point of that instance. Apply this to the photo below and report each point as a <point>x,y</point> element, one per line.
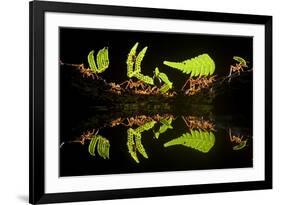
<point>129,102</point>
<point>133,101</point>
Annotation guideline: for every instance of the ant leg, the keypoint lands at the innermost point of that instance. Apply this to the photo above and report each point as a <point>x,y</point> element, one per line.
<point>191,87</point>
<point>230,72</point>
<point>153,88</point>
<point>185,84</point>
<point>185,121</point>
<point>142,85</point>
<point>128,84</point>
<point>124,82</point>
<point>96,75</point>
<point>93,76</point>
<point>230,135</point>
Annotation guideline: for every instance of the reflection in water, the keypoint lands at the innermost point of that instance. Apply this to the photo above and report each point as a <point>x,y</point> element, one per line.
<point>166,123</point>
<point>193,122</point>
<point>161,142</point>
<point>86,136</point>
<point>199,135</point>
<point>102,145</point>
<point>134,140</point>
<point>200,140</point>
<point>238,140</point>
<point>139,120</point>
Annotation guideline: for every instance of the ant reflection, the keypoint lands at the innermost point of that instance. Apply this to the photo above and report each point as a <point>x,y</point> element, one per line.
<point>239,140</point>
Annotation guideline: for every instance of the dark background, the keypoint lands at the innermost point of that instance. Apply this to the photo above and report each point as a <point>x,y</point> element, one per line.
<point>233,108</point>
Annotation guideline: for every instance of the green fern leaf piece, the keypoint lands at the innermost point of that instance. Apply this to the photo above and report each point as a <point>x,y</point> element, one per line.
<point>199,140</point>
<point>202,65</point>
<point>209,66</point>
<point>165,88</point>
<point>139,145</point>
<point>91,62</point>
<point>198,66</point>
<point>134,65</point>
<point>186,67</point>
<point>182,66</point>
<point>102,60</point>
<point>132,145</point>
<point>92,145</point>
<point>134,140</point>
<point>165,78</point>
<point>137,71</point>
<point>103,147</point>
<point>166,124</point>
<point>240,146</point>
<point>145,127</point>
<point>241,60</point>
<point>144,78</point>
<point>131,60</point>
<point>167,83</point>
<point>211,63</point>
<point>139,59</point>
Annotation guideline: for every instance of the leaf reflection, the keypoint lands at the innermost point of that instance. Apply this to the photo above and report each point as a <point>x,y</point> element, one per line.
<point>102,145</point>
<point>199,135</point>
<point>134,140</point>
<point>166,124</point>
<point>199,140</point>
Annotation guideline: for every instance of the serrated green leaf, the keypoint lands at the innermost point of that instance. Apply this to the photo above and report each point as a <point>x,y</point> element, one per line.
<point>199,140</point>
<point>202,65</point>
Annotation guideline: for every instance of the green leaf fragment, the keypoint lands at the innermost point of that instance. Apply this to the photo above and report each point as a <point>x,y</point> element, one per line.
<point>139,145</point>
<point>132,145</point>
<point>145,127</point>
<point>240,146</point>
<point>144,78</point>
<point>199,140</point>
<point>241,60</point>
<point>139,59</point>
<point>91,62</point>
<point>92,145</point>
<point>202,65</point>
<point>167,83</point>
<point>102,61</point>
<point>103,148</point>
<point>166,124</point>
<point>101,144</point>
<point>134,65</point>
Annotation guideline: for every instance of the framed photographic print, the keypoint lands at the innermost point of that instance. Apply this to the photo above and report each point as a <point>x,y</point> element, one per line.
<point>140,102</point>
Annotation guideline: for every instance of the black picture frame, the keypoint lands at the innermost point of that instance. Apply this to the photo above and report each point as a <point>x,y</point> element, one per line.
<point>37,194</point>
